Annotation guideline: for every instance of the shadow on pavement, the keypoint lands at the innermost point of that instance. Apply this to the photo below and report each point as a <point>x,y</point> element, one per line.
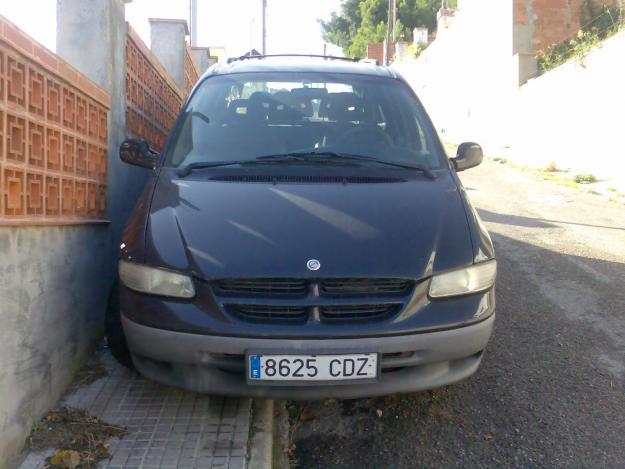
<point>529,222</point>
<point>540,399</point>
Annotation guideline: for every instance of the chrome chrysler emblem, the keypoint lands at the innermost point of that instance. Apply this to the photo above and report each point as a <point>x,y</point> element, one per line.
<point>313,264</point>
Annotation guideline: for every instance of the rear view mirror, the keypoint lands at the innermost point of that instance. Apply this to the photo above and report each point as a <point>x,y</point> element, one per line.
<point>137,151</point>
<point>469,155</point>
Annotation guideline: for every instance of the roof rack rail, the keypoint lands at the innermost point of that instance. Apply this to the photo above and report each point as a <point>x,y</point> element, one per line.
<point>369,61</point>
<point>327,57</point>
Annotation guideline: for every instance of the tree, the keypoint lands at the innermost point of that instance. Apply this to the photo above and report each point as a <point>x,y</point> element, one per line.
<point>342,27</point>
<point>372,28</point>
<point>361,22</point>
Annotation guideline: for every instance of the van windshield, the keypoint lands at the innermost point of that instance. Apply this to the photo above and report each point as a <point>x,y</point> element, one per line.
<point>239,117</point>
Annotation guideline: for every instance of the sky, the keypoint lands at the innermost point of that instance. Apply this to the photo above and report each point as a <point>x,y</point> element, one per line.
<point>235,24</point>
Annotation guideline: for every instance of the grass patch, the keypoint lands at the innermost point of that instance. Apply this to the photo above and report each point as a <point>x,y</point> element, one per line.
<point>560,180</point>
<point>585,178</point>
<point>500,160</point>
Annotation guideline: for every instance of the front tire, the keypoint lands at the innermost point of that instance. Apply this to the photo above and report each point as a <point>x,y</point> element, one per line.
<point>115,338</point>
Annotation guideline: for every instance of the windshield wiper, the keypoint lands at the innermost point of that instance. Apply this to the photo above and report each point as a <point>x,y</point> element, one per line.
<point>188,169</point>
<point>319,156</point>
<point>304,156</point>
<point>307,157</point>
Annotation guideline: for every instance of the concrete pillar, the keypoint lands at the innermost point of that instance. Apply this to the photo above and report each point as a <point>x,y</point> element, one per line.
<point>401,50</point>
<point>202,58</point>
<point>527,68</point>
<point>420,36</point>
<point>167,41</point>
<point>92,37</point>
<point>444,18</point>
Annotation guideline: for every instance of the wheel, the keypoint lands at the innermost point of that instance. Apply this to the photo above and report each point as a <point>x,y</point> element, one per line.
<point>115,338</point>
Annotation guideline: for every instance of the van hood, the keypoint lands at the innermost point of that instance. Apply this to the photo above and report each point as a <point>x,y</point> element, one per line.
<point>216,229</point>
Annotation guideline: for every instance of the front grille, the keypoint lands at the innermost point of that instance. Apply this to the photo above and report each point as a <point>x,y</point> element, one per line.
<point>262,179</point>
<point>262,286</point>
<point>266,313</point>
<point>329,313</point>
<point>297,301</point>
<point>364,286</point>
<point>328,286</point>
<point>357,312</point>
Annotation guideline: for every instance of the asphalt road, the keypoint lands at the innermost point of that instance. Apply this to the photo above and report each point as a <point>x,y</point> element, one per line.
<point>551,390</point>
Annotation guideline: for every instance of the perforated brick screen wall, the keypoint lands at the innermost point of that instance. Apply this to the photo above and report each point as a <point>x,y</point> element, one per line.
<point>53,134</point>
<point>191,73</point>
<point>152,98</point>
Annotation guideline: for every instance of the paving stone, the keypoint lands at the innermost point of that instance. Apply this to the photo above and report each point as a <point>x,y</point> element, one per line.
<point>168,427</point>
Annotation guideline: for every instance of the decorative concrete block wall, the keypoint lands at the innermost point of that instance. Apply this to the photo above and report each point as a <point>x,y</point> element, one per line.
<point>153,99</point>
<point>55,263</point>
<point>191,70</point>
<point>65,195</point>
<point>53,137</point>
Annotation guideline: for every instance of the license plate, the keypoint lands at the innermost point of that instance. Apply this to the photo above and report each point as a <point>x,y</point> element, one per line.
<point>357,366</point>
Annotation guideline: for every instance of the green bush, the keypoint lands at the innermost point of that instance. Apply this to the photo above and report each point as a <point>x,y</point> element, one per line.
<point>584,178</point>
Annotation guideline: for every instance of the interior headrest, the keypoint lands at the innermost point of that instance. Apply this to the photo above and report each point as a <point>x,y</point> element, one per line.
<point>344,107</point>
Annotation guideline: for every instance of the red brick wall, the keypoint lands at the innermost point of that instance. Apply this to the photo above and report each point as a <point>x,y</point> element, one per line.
<point>551,21</point>
<point>376,51</point>
<point>53,137</point>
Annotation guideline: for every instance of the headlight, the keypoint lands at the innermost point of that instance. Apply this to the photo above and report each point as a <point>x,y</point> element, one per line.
<point>155,281</point>
<point>473,279</point>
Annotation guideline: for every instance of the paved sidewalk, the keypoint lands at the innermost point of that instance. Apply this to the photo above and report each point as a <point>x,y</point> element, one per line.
<point>167,427</point>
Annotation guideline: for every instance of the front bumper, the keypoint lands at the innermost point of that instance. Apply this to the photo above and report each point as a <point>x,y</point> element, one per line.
<point>215,364</point>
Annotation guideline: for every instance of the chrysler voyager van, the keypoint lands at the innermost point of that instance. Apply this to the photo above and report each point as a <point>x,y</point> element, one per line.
<point>303,235</point>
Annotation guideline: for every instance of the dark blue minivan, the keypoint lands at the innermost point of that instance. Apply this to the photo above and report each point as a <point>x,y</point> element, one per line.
<point>303,235</point>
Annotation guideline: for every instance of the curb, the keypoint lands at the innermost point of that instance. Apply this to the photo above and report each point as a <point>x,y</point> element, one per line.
<point>260,452</point>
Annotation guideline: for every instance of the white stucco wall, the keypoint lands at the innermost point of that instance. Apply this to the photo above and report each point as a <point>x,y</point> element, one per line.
<point>574,115</point>
<point>466,74</point>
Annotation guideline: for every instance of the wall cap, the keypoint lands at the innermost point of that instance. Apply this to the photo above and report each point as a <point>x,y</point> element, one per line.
<point>171,20</point>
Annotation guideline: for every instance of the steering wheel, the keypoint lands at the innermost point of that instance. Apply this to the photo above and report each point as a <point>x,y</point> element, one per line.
<point>364,133</point>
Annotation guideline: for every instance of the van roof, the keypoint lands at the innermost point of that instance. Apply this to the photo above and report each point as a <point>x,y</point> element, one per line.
<point>302,64</point>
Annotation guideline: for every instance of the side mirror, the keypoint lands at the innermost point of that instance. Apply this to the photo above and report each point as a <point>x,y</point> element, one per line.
<point>137,151</point>
<point>469,155</point>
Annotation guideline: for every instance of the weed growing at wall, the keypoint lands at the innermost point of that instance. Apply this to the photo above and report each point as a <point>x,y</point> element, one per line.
<point>416,51</point>
<point>601,26</point>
